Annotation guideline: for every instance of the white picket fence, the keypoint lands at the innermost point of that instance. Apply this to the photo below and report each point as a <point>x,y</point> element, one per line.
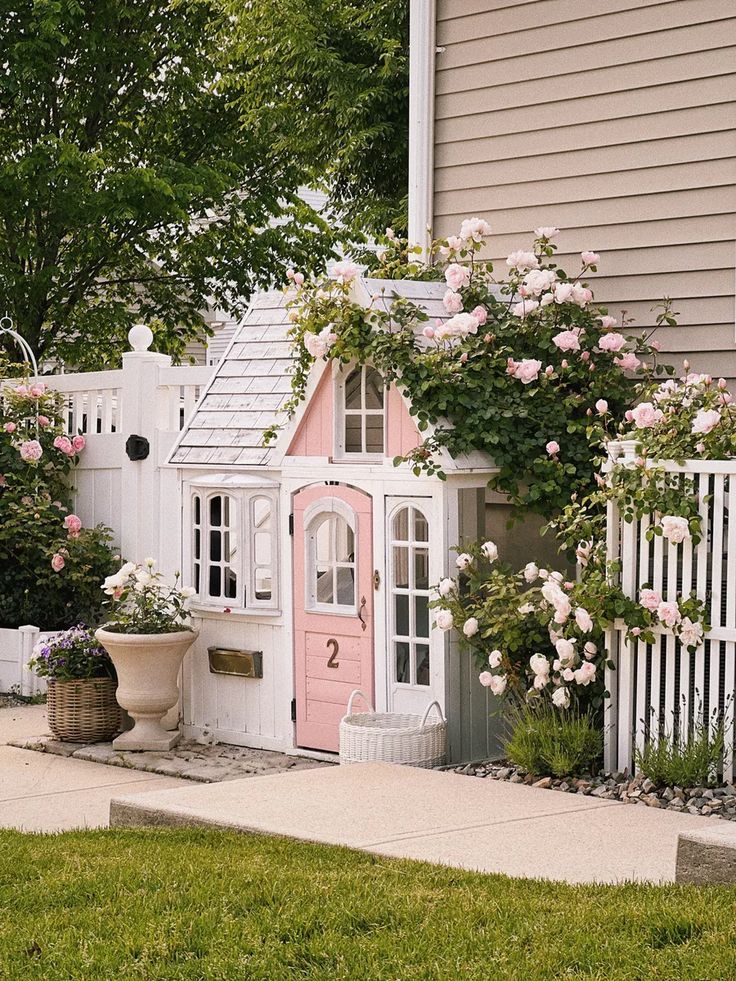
<point>662,688</point>
<point>138,500</point>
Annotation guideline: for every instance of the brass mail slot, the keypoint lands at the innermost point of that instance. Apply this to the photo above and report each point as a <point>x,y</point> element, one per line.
<point>245,664</point>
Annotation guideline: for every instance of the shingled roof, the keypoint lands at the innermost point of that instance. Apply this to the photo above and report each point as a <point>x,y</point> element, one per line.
<point>252,382</point>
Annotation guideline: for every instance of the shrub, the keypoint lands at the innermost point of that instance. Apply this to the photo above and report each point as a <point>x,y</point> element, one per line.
<point>547,742</point>
<point>691,762</point>
<point>50,566</point>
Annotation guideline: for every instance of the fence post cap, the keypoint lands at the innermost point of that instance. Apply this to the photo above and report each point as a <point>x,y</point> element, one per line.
<point>140,337</point>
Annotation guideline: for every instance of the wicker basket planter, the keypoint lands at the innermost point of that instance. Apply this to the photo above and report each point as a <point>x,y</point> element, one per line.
<point>390,737</point>
<point>84,710</point>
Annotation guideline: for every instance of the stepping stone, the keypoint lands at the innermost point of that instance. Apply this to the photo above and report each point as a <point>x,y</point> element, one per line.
<point>707,857</point>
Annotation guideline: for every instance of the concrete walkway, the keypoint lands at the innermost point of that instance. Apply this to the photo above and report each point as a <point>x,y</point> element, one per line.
<point>447,818</point>
<point>40,792</point>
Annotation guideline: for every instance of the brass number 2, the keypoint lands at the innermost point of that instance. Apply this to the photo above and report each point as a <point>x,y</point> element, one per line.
<point>332,663</point>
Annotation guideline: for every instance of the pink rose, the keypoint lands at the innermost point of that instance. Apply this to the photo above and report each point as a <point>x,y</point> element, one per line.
<point>612,342</point>
<point>343,271</point>
<point>546,231</point>
<point>675,528</point>
<point>645,416</point>
<point>290,273</point>
<point>457,276</point>
<point>601,407</point>
<point>585,673</point>
<point>485,678</point>
<point>36,391</point>
<point>57,562</point>
<point>628,361</point>
<point>607,323</point>
<point>481,315</point>
<point>524,308</point>
<point>567,340</point>
<point>299,279</point>
<point>522,261</point>
<point>669,614</point>
<point>21,390</point>
<point>553,447</point>
<point>474,229</point>
<point>527,370</point>
<point>649,599</point>
<point>73,525</point>
<point>10,427</point>
<point>537,281</point>
<point>30,451</point>
<point>43,421</point>
<point>452,302</point>
<point>79,443</point>
<point>706,420</point>
<point>428,332</point>
<point>590,258</point>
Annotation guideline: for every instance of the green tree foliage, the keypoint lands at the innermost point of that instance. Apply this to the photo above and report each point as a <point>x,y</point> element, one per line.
<point>129,186</point>
<point>328,80</point>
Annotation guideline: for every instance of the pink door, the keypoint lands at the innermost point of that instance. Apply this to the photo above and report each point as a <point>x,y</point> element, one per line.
<point>333,608</point>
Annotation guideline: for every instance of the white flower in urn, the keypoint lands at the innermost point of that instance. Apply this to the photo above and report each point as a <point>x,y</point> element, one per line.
<point>445,587</point>
<point>675,529</point>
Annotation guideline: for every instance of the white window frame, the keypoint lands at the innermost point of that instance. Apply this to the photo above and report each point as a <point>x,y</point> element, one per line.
<point>313,517</point>
<point>341,454</point>
<point>243,493</point>
<point>412,639</point>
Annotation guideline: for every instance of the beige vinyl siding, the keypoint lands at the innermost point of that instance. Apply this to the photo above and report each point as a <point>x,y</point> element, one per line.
<point>615,121</point>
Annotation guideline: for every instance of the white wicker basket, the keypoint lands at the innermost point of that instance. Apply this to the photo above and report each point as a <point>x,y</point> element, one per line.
<point>390,737</point>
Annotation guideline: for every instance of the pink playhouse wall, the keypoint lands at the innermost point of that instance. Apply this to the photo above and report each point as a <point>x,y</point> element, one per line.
<point>315,434</point>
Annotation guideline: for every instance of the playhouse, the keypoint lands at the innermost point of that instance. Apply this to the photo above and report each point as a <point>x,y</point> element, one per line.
<point>314,557</point>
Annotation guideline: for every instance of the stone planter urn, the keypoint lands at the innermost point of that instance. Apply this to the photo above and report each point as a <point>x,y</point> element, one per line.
<point>147,666</point>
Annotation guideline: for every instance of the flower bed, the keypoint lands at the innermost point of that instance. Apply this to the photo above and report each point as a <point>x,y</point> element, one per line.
<point>708,801</point>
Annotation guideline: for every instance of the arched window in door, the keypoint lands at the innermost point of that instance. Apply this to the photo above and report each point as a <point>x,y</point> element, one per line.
<point>409,612</point>
<point>331,563</point>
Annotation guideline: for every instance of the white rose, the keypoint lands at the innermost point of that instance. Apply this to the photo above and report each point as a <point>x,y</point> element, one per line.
<point>561,698</point>
<point>498,684</point>
<point>539,665</point>
<point>675,529</point>
<point>445,587</point>
<point>495,658</point>
<point>463,561</point>
<point>490,551</point>
<point>443,620</point>
<point>590,650</point>
<point>566,650</point>
<point>470,627</point>
<point>531,571</point>
<point>583,620</point>
<point>188,591</point>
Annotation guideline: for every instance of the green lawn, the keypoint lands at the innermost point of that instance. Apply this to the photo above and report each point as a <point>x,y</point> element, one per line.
<point>210,905</point>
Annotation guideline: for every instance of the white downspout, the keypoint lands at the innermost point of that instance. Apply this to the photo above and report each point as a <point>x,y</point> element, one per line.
<point>422,19</point>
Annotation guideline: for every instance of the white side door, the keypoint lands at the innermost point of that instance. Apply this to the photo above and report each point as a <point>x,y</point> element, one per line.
<point>415,652</point>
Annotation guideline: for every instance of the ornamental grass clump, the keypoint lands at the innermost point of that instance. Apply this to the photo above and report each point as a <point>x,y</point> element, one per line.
<point>71,655</point>
<point>545,742</point>
<point>692,760</point>
<point>141,602</point>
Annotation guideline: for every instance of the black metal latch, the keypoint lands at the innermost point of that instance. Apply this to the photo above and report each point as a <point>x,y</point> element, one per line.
<point>137,447</point>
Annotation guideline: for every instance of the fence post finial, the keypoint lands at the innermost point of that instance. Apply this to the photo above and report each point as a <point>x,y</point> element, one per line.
<point>140,337</point>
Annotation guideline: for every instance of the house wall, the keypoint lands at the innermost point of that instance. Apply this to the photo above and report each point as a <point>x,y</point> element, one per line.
<point>615,121</point>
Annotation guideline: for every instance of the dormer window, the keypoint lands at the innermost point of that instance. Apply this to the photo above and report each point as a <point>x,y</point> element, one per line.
<point>232,551</point>
<point>360,402</point>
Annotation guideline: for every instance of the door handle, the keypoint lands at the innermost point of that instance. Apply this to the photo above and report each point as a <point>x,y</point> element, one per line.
<point>360,613</point>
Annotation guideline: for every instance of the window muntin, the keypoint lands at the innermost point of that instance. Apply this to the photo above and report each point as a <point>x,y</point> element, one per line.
<point>330,563</point>
<point>363,408</point>
<point>409,605</point>
<point>233,547</point>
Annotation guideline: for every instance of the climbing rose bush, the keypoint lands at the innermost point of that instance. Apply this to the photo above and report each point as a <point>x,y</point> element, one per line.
<point>522,365</point>
<point>50,566</point>
<point>536,634</point>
